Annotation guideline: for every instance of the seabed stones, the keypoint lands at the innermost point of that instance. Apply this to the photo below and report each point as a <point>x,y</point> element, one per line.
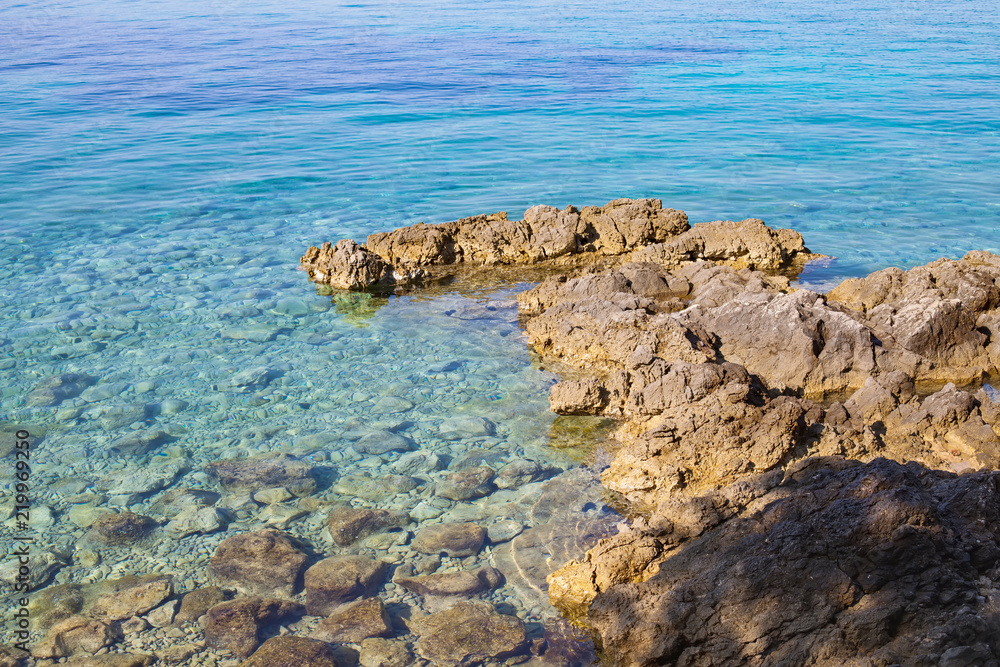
<point>377,417</point>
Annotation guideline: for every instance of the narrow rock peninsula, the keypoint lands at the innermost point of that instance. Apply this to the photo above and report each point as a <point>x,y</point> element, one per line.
<point>812,476</point>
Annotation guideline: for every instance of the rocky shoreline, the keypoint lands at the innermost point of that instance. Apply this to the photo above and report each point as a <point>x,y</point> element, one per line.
<point>810,475</point>
<point>807,477</point>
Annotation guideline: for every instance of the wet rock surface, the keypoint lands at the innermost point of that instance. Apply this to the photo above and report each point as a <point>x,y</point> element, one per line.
<point>454,539</point>
<point>75,634</point>
<point>469,633</point>
<point>235,626</point>
<point>349,524</point>
<point>355,621</point>
<point>292,652</point>
<point>339,579</point>
<point>264,472</point>
<point>265,562</point>
<point>123,528</point>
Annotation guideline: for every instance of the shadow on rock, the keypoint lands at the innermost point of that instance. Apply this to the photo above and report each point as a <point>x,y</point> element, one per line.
<point>838,563</point>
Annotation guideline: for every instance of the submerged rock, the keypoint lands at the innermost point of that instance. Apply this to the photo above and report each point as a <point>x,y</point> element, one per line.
<point>75,634</point>
<point>134,596</point>
<point>121,529</point>
<point>376,652</point>
<point>453,539</point>
<point>292,652</point>
<point>265,562</point>
<point>349,524</point>
<point>235,626</point>
<point>55,389</point>
<point>265,471</point>
<point>355,622</point>
<point>339,579</point>
<point>469,633</point>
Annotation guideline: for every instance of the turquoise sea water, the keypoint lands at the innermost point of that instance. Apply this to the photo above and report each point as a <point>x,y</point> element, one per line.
<point>163,165</point>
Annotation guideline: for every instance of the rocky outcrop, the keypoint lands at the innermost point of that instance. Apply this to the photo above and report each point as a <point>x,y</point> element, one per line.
<point>547,234</point>
<point>800,467</point>
<point>747,244</point>
<point>837,560</point>
<point>722,379</point>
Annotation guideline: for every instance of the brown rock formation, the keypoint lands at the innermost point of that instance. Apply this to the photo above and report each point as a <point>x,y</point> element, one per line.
<point>355,622</point>
<point>75,634</point>
<point>467,634</point>
<point>791,457</point>
<point>836,561</point>
<point>546,234</point>
<point>264,562</point>
<point>292,652</point>
<point>339,579</point>
<point>234,626</point>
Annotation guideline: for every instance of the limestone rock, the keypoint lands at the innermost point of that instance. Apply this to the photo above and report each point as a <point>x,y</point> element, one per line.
<point>339,579</point>
<point>136,479</point>
<point>163,615</point>
<point>454,539</point>
<point>234,626</point>
<point>346,266</point>
<point>134,596</point>
<point>123,528</point>
<point>196,604</point>
<point>140,442</point>
<point>467,634</point>
<point>376,652</point>
<point>467,484</point>
<point>349,524</point>
<point>292,652</point>
<point>265,471</point>
<point>746,244</point>
<point>367,487</point>
<point>841,561</point>
<point>265,562</point>
<point>193,520</point>
<point>518,473</point>
<point>74,635</point>
<point>464,583</point>
<point>381,442</point>
<point>354,622</point>
<point>54,389</point>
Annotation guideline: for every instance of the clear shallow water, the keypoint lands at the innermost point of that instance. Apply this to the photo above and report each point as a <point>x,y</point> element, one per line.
<point>164,165</point>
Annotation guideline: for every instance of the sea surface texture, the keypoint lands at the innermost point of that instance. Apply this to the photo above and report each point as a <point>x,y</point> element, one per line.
<point>163,165</point>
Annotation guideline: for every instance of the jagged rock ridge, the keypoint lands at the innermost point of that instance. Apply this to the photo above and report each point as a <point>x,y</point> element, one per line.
<point>545,234</point>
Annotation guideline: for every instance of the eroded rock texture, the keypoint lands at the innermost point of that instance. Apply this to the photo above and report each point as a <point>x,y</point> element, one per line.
<point>546,233</point>
<point>809,474</point>
<point>724,380</point>
<point>838,561</point>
